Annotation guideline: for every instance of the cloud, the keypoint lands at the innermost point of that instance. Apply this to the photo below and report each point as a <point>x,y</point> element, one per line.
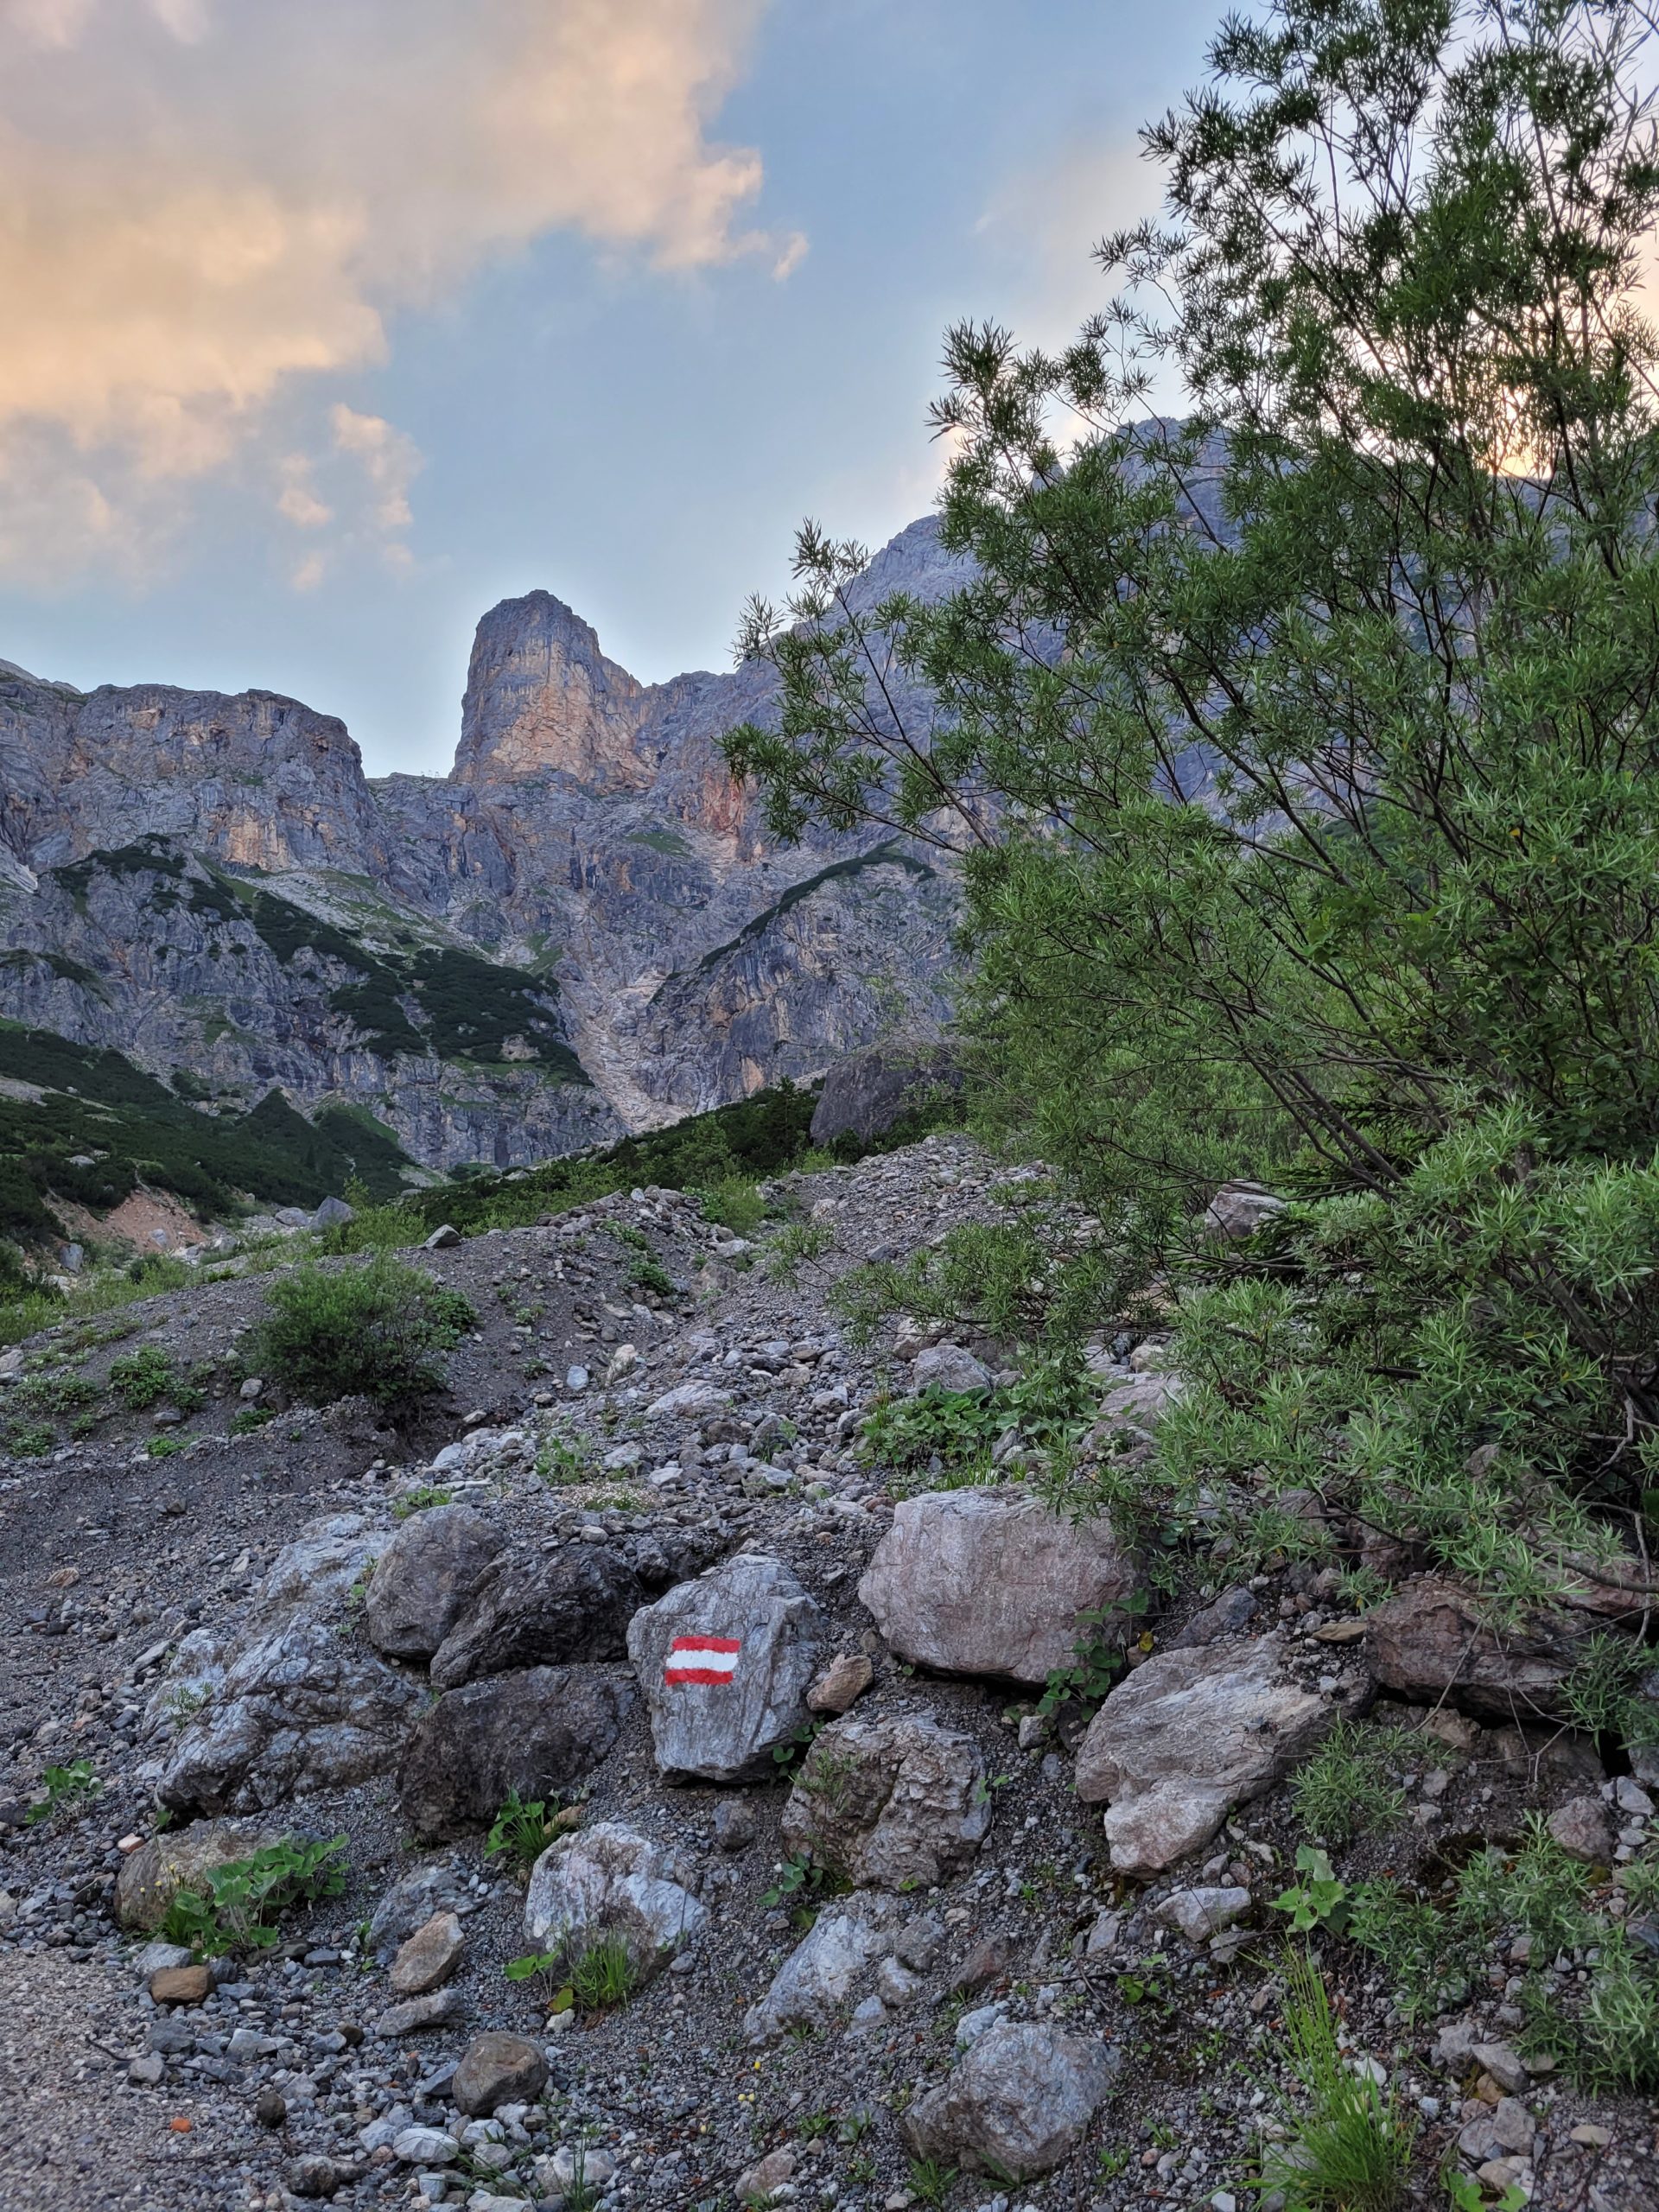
<point>207,204</point>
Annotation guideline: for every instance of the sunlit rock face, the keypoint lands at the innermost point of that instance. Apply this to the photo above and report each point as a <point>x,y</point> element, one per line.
<point>582,929</point>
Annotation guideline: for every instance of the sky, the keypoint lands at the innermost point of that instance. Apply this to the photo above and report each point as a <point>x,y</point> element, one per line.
<point>328,324</point>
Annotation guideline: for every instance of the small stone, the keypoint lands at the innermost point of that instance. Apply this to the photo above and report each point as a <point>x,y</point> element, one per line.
<point>429,1957</point>
<point>271,2108</point>
<point>735,1825</point>
<point>432,2011</point>
<point>841,1683</point>
<point>443,1239</point>
<point>1201,1913</point>
<point>424,2146</point>
<point>1583,1831</point>
<point>576,1378</point>
<point>313,2175</point>
<point>146,2072</point>
<point>987,1963</point>
<point>1630,1797</point>
<point>758,2185</point>
<point>896,1984</point>
<point>1590,2135</point>
<point>181,1985</point>
<point>498,2069</point>
<point>1505,2068</point>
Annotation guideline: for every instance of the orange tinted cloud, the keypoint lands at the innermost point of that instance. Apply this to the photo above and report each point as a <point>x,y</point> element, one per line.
<point>204,200</point>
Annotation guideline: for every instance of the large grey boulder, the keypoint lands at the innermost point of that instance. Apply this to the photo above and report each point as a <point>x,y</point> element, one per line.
<point>895,1804</point>
<point>725,1664</point>
<point>424,1578</point>
<point>301,1708</point>
<point>1191,1734</point>
<point>609,1881</point>
<point>866,1093</point>
<point>1017,2103</point>
<point>816,1980</point>
<point>1238,1209</point>
<point>537,1731</point>
<point>530,1608</point>
<point>988,1581</point>
<point>949,1367</point>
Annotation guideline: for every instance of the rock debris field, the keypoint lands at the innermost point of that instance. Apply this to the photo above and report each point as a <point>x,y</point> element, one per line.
<point>819,1908</point>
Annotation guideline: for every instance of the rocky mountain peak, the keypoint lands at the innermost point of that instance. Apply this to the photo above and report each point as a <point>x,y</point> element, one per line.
<point>542,698</point>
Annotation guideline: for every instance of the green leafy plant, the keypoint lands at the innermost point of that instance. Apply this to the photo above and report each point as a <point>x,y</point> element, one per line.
<point>1320,1899</point>
<point>247,1421</point>
<point>236,1907</point>
<point>543,1966</point>
<point>522,1830</point>
<point>564,1458</point>
<point>1350,2147</point>
<point>167,1446</point>
<point>144,1378</point>
<point>1099,1660</point>
<point>378,1330</point>
<point>65,1788</point>
<point>421,1499</point>
<point>797,1245</point>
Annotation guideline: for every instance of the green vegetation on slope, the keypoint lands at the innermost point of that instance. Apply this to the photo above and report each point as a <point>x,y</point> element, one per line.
<point>99,1109</point>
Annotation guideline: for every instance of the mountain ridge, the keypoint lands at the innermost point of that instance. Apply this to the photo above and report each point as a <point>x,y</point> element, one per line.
<point>582,929</point>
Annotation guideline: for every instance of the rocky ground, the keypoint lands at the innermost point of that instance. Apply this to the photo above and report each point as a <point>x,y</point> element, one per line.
<point>629,1565</point>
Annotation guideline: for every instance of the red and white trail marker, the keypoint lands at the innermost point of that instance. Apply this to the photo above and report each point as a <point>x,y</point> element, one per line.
<point>702,1659</point>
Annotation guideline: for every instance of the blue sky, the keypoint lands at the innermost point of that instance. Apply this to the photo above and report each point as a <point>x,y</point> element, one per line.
<point>341,342</point>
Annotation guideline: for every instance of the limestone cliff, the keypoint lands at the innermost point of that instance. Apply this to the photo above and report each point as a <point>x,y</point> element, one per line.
<point>581,929</point>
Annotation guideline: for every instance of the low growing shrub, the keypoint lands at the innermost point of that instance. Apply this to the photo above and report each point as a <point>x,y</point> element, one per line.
<point>378,1330</point>
<point>236,1906</point>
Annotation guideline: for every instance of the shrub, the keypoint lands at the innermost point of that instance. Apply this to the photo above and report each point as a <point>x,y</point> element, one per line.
<point>377,1331</point>
<point>522,1831</point>
<point>602,1975</point>
<point>1344,1789</point>
<point>1302,753</point>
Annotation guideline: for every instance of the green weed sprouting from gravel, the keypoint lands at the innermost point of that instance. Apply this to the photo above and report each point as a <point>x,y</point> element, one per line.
<point>522,1830</point>
<point>1350,2146</point>
<point>142,1379</point>
<point>1344,1789</point>
<point>236,1907</point>
<point>602,1976</point>
<point>65,1788</point>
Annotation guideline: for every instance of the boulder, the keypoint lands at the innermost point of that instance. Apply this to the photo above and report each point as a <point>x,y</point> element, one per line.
<point>1136,1402</point>
<point>332,1213</point>
<point>867,1093</point>
<point>608,1880</point>
<point>1238,1209</point>
<point>725,1664</point>
<point>498,2069</point>
<point>300,1709</point>
<point>530,1608</point>
<point>949,1367</point>
<point>536,1731</point>
<point>424,1578</point>
<point>686,1398</point>
<point>1189,1735</point>
<point>817,1978</point>
<point>1017,2103</point>
<point>893,1804</point>
<point>177,1860</point>
<point>1433,1641</point>
<point>990,1581</point>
